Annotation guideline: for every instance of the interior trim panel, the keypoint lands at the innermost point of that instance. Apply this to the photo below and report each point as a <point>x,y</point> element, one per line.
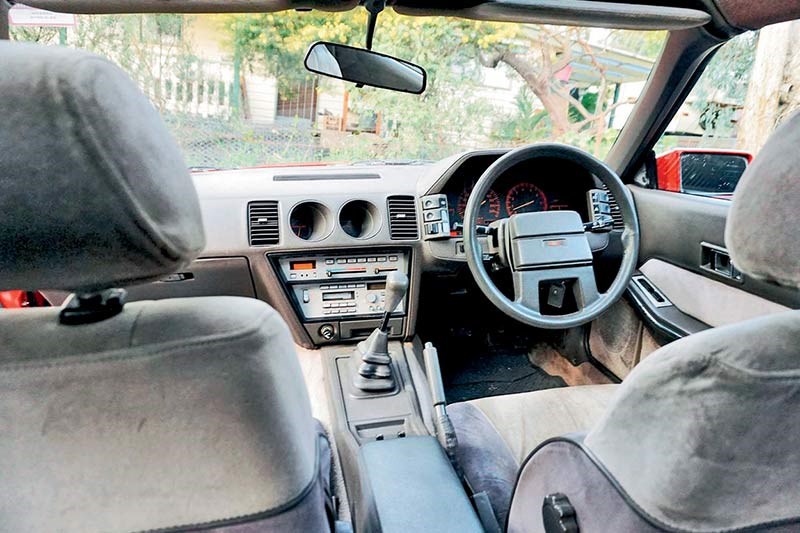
<point>675,227</point>
<point>705,299</point>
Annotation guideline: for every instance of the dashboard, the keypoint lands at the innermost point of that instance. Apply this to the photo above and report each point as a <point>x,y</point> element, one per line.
<point>524,189</point>
<point>316,243</point>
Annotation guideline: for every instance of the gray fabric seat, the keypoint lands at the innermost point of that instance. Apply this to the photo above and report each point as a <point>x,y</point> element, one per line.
<point>182,414</point>
<point>701,436</point>
<point>496,434</point>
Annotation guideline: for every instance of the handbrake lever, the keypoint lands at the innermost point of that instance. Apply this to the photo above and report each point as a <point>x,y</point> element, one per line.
<point>445,432</point>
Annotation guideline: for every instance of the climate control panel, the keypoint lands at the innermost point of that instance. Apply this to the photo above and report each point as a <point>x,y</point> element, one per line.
<point>327,287</point>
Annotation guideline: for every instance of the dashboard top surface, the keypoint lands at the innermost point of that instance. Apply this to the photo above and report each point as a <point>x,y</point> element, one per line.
<point>224,196</point>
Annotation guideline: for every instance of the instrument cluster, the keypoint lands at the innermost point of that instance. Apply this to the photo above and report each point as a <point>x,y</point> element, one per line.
<point>516,193</point>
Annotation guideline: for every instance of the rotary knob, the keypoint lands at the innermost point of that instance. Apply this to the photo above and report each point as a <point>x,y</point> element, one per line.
<point>327,332</point>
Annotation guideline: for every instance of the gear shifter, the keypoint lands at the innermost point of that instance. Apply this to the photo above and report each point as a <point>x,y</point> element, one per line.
<point>374,374</point>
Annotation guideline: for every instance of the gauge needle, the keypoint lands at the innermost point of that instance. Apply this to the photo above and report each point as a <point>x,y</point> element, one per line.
<point>526,204</point>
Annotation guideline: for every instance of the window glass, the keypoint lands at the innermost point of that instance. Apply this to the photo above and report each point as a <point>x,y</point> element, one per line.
<point>748,88</point>
<point>233,90</point>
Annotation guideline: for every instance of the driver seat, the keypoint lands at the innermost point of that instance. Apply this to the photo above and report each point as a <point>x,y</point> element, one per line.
<point>701,436</point>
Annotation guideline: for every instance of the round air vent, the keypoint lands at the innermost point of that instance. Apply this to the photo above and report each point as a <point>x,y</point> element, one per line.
<point>310,221</point>
<point>359,219</point>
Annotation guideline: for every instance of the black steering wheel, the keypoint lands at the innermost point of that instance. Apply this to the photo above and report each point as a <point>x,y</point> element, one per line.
<point>549,250</point>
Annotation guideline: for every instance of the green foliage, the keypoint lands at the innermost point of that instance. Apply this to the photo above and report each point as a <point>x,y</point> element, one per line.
<point>458,111</point>
<point>727,75</point>
<point>33,34</point>
<point>646,44</point>
<point>528,124</point>
<point>721,90</point>
<point>588,100</point>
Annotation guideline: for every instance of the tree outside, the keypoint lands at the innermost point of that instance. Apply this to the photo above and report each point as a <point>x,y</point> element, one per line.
<point>749,87</point>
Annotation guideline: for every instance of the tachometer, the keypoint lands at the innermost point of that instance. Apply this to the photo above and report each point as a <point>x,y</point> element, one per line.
<point>525,198</point>
<point>489,210</point>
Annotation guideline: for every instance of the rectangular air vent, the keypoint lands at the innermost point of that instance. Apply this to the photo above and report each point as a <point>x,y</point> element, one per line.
<point>615,212</point>
<point>263,223</point>
<point>403,218</point>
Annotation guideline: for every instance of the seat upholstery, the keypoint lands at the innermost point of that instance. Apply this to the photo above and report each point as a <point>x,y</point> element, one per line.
<point>95,192</point>
<point>496,434</point>
<point>172,413</point>
<point>180,414</point>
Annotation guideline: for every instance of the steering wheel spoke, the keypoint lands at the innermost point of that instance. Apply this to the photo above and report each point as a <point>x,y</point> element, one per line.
<point>529,286</point>
<point>526,288</point>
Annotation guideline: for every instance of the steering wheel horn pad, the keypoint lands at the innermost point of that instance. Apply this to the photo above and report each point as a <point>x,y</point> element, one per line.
<point>549,246</point>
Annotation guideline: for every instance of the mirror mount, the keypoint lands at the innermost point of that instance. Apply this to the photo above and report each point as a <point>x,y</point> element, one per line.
<point>374,7</point>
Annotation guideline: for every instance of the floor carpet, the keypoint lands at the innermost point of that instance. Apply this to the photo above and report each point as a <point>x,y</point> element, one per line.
<point>491,371</point>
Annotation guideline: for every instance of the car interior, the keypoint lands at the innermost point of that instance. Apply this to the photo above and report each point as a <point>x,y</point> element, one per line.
<point>530,339</point>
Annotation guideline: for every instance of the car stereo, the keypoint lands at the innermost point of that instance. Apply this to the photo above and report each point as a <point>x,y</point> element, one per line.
<point>328,286</point>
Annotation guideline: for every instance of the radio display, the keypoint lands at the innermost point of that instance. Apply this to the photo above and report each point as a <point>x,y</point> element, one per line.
<point>376,286</point>
<point>340,295</point>
<point>302,265</point>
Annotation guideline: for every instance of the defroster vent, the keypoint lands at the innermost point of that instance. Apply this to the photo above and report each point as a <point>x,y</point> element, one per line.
<point>403,218</point>
<point>263,223</point>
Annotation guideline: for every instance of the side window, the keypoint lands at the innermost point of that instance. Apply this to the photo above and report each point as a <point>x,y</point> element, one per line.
<point>748,88</point>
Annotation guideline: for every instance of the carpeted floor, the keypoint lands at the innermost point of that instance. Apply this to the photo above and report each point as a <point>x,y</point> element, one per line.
<point>483,370</point>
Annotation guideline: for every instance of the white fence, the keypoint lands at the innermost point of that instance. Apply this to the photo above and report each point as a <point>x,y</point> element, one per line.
<point>205,90</point>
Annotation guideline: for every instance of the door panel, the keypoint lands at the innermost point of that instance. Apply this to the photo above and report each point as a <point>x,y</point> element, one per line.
<point>705,299</point>
<point>675,228</point>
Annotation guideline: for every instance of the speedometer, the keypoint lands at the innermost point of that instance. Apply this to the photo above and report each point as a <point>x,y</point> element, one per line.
<point>488,212</point>
<point>525,198</point>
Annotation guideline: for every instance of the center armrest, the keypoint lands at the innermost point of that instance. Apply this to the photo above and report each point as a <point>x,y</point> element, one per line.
<point>414,488</point>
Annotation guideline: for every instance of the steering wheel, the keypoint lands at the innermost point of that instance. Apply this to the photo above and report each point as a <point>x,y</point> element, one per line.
<point>547,248</point>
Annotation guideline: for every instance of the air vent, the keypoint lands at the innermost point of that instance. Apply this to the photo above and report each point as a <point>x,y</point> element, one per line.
<point>263,223</point>
<point>616,214</point>
<point>403,218</point>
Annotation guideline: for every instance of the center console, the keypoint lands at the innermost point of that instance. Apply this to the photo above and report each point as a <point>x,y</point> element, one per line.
<point>341,296</point>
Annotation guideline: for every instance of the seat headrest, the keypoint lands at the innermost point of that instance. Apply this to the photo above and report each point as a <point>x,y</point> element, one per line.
<point>94,192</point>
<point>760,233</point>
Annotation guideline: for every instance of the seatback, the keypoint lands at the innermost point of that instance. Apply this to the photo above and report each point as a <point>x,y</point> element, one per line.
<point>702,435</point>
<point>180,414</point>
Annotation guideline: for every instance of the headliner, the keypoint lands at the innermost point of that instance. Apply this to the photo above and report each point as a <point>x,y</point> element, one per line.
<point>726,16</point>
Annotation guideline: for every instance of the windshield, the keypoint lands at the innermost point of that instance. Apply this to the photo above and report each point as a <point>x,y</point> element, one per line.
<point>233,90</point>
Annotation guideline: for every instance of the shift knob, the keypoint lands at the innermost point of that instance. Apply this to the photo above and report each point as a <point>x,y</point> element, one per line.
<point>396,288</point>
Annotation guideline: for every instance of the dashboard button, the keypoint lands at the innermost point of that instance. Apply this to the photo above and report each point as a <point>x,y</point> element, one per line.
<point>431,216</point>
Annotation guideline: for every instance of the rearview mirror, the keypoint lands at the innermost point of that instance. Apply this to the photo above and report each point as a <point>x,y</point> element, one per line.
<point>365,67</point>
